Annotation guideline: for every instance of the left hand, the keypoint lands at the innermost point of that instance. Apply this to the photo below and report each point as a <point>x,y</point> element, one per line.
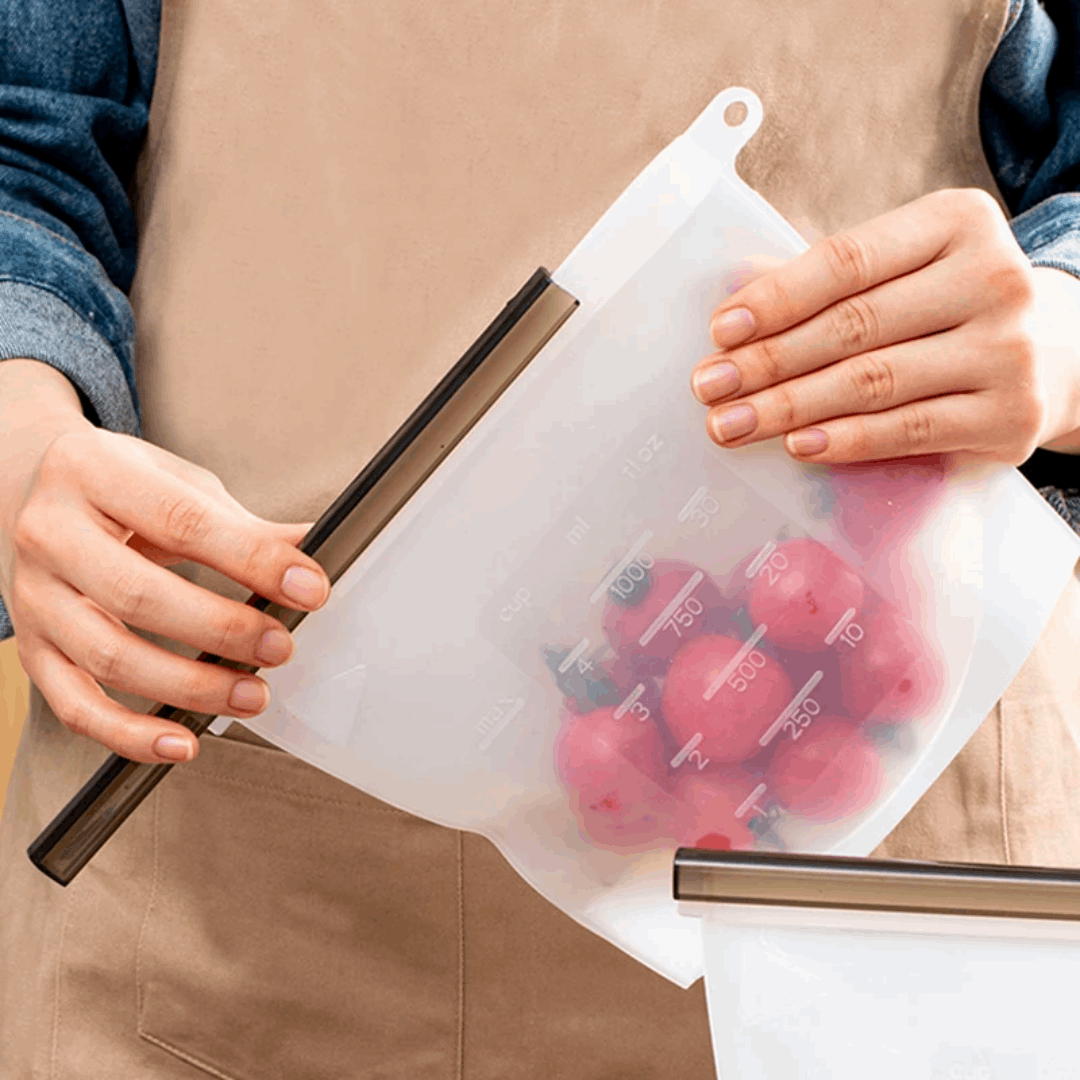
<point>925,330</point>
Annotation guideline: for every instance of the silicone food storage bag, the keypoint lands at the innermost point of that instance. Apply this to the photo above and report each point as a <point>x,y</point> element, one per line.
<point>565,619</point>
<point>593,636</point>
<point>836,969</point>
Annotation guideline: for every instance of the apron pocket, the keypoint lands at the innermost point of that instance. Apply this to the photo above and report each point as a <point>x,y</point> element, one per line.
<point>296,927</point>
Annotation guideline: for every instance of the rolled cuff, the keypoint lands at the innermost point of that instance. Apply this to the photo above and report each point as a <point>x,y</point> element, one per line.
<point>36,325</point>
<point>1050,232</point>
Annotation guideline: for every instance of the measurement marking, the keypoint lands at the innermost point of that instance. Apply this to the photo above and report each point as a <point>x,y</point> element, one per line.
<point>760,557</point>
<point>621,565</point>
<point>795,702</point>
<point>750,800</point>
<point>685,752</point>
<point>734,662</point>
<point>691,506</point>
<point>840,626</point>
<point>487,740</point>
<point>634,694</point>
<point>695,580</point>
<point>576,654</point>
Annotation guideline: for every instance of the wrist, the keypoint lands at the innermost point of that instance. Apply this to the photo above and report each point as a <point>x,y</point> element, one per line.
<point>37,405</point>
<point>1056,331</point>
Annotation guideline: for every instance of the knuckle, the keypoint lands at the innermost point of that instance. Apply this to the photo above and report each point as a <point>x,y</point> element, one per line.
<point>765,356</point>
<point>849,260</point>
<point>778,301</point>
<point>785,409</point>
<point>30,534</point>
<point>185,520</point>
<point>200,690</point>
<point>235,631</point>
<point>258,554</point>
<point>130,598</point>
<point>27,647</point>
<point>918,428</point>
<point>26,610</point>
<point>68,450</point>
<point>873,381</point>
<point>1028,415</point>
<point>857,443</point>
<point>1011,284</point>
<point>975,203</point>
<point>1022,355</point>
<point>75,716</point>
<point>106,659</point>
<point>966,205</point>
<point>855,324</point>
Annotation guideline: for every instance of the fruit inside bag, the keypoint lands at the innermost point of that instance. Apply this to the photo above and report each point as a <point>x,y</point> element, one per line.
<point>593,636</point>
<point>730,681</point>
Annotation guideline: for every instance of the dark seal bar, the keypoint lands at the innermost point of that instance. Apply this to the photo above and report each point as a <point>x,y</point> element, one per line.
<point>845,882</point>
<point>335,541</point>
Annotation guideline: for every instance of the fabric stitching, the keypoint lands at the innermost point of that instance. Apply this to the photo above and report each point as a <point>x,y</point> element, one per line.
<point>1006,847</point>
<point>166,79</point>
<point>154,878</point>
<point>968,115</point>
<point>47,232</point>
<point>204,1066</point>
<point>57,1010</point>
<point>295,792</point>
<point>1015,7</point>
<point>140,993</point>
<point>460,1070</point>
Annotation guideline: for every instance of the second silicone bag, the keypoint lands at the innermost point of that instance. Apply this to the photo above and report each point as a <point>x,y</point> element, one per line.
<point>592,635</point>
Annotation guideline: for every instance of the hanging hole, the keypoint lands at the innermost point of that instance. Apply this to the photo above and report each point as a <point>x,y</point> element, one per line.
<point>735,113</point>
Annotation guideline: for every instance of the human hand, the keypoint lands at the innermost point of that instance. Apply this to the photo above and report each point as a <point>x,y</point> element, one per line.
<point>925,330</point>
<point>83,552</point>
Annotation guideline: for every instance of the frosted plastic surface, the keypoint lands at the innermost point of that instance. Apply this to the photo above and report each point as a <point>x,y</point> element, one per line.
<point>574,638</point>
<point>846,996</point>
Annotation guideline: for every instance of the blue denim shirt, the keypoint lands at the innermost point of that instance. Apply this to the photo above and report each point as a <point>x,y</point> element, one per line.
<point>75,83</point>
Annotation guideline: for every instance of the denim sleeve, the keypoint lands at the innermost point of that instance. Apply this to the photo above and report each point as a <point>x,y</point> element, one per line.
<point>75,84</point>
<point>1029,115</point>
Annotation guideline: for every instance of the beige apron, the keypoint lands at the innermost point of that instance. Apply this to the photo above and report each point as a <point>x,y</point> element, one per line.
<point>335,198</point>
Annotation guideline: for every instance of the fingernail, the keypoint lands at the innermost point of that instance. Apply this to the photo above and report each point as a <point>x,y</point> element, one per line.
<point>249,696</point>
<point>304,586</point>
<point>812,441</point>
<point>275,647</point>
<point>732,327</point>
<point>173,747</point>
<point>715,381</point>
<point>735,422</point>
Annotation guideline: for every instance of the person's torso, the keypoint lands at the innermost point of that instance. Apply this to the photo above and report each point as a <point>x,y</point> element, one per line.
<point>337,197</point>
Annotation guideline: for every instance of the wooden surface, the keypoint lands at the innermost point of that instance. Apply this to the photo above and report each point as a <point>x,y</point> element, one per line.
<point>13,698</point>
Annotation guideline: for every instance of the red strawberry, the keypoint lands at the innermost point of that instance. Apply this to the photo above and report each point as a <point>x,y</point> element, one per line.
<point>800,593</point>
<point>830,771</point>
<point>730,705</point>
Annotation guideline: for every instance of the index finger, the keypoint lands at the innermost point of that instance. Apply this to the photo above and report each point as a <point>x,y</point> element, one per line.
<point>841,265</point>
<point>178,518</point>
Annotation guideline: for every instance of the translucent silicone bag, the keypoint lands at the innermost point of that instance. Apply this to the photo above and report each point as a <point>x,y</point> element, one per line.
<point>592,635</point>
<point>832,969</point>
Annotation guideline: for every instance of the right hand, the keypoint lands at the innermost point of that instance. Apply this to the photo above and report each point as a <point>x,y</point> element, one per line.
<point>82,552</point>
